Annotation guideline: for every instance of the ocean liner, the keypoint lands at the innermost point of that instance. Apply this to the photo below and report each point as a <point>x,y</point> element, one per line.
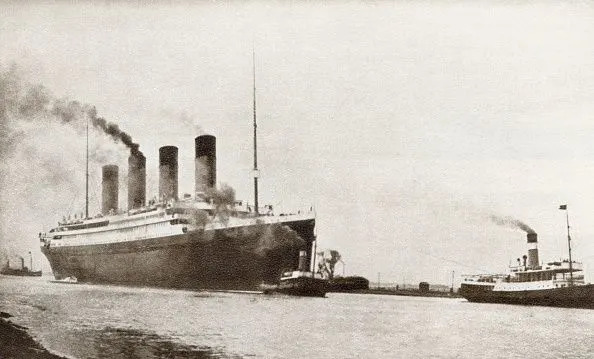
<point>190,242</point>
<point>201,241</point>
<point>557,283</point>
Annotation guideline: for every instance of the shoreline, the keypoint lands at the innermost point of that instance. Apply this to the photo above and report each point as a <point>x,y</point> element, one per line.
<point>15,342</point>
<point>406,293</point>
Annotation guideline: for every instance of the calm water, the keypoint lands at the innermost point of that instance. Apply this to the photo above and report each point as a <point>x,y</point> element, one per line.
<point>91,321</point>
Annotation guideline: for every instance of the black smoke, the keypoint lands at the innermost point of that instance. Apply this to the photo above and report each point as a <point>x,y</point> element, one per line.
<point>114,131</point>
<point>74,113</point>
<point>20,101</point>
<point>511,222</point>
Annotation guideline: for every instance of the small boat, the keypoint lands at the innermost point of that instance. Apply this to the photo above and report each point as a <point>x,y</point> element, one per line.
<point>301,282</point>
<point>67,280</point>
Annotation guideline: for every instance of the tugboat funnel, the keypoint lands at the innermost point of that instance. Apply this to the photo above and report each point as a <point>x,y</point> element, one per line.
<point>532,251</point>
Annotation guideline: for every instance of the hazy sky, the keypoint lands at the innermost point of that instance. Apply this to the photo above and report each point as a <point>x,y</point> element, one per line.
<point>406,124</point>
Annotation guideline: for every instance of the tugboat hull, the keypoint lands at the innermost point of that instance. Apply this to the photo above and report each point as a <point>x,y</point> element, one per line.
<point>20,272</point>
<point>578,296</point>
<point>303,287</point>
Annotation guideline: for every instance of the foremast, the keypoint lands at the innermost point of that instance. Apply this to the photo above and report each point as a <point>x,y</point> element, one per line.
<point>87,174</point>
<point>255,138</point>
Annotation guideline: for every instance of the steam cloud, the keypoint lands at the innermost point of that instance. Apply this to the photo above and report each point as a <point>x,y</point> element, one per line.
<point>41,168</point>
<point>511,223</point>
<point>277,236</point>
<point>223,200</point>
<point>269,237</point>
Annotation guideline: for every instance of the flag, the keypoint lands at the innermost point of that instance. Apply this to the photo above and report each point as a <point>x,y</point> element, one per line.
<point>563,206</point>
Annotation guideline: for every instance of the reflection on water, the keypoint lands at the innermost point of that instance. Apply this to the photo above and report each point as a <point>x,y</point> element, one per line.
<point>93,321</point>
<point>129,343</point>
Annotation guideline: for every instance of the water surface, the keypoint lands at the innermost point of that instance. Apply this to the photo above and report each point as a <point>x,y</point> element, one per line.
<point>96,321</point>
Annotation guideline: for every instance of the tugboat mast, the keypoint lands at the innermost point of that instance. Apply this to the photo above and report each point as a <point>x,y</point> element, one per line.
<point>564,208</point>
<point>255,141</point>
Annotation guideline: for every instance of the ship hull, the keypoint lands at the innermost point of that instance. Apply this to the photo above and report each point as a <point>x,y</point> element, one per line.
<point>224,259</point>
<point>578,296</point>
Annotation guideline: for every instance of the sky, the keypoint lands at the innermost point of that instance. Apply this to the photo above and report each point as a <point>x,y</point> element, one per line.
<point>407,125</point>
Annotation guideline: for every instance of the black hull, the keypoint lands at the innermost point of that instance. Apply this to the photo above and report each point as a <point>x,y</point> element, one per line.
<point>579,296</point>
<point>226,259</point>
<point>348,284</point>
<point>303,287</point>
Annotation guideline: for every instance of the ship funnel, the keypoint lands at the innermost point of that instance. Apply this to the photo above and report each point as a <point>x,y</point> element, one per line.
<point>303,261</point>
<point>532,251</point>
<point>136,181</point>
<point>109,193</point>
<point>206,163</point>
<point>168,173</point>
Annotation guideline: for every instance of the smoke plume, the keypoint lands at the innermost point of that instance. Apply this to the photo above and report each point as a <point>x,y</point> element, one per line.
<point>73,112</point>
<point>177,123</point>
<point>114,131</point>
<point>511,223</point>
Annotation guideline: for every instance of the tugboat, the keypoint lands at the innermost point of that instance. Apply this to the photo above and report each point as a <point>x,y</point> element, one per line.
<point>302,282</point>
<point>23,271</point>
<point>529,283</point>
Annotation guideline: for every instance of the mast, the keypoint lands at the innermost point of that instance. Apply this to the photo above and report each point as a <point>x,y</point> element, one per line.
<point>255,140</point>
<point>314,252</point>
<point>452,288</point>
<point>569,248</point>
<point>87,174</point>
<point>564,207</point>
<point>313,269</point>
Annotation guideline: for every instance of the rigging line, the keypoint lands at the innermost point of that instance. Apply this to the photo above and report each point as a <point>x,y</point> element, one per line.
<point>72,201</point>
<point>94,187</point>
<point>451,261</point>
<point>95,197</point>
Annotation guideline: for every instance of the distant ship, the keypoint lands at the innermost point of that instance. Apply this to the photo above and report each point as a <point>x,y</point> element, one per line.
<point>22,271</point>
<point>530,283</point>
<point>199,241</point>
